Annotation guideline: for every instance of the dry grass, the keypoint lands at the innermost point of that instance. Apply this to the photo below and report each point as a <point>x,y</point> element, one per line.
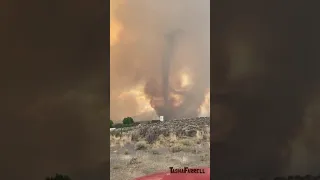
<point>139,152</point>
<point>141,145</point>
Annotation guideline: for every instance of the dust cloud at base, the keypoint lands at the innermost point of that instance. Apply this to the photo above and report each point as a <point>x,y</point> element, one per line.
<point>138,47</point>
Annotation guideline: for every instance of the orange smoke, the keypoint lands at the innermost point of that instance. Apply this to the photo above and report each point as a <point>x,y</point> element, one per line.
<point>115,25</point>
<point>149,97</point>
<point>137,43</point>
<point>142,100</point>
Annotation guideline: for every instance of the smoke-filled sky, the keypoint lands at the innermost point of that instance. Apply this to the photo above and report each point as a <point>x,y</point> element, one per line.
<point>265,74</point>
<point>138,46</point>
<point>53,87</point>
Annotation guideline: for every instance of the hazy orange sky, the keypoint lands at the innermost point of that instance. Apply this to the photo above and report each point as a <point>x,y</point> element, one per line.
<point>138,31</point>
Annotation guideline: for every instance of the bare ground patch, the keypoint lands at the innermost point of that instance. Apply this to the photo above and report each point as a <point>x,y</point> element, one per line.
<point>155,147</point>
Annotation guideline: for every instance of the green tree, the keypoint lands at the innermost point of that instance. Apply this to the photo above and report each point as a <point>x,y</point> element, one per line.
<point>128,121</point>
<point>111,124</point>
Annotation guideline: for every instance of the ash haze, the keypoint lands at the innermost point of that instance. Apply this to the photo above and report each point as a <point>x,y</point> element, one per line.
<point>54,88</point>
<point>266,80</point>
<point>138,46</point>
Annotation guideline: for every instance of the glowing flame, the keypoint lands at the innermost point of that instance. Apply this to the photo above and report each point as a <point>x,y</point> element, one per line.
<point>185,80</point>
<point>176,99</point>
<point>183,83</point>
<point>142,100</point>
<point>146,105</point>
<point>204,109</point>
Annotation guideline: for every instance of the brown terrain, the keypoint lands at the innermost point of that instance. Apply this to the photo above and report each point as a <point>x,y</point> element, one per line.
<point>154,147</point>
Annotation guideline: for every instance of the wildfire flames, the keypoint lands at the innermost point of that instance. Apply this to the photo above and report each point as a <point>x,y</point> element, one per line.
<point>149,100</point>
<point>148,93</point>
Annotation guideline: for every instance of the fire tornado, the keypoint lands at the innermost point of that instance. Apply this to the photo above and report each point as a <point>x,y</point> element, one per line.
<point>159,59</point>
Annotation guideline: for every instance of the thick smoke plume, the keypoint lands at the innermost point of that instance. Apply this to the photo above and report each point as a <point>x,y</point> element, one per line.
<point>266,70</point>
<point>139,47</point>
<point>54,81</point>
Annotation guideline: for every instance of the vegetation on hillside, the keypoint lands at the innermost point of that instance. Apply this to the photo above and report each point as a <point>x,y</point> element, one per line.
<point>111,124</point>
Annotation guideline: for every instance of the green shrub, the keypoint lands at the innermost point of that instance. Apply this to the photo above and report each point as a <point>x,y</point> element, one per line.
<point>128,120</point>
<point>111,124</point>
<point>126,125</point>
<point>141,145</point>
<point>117,125</point>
